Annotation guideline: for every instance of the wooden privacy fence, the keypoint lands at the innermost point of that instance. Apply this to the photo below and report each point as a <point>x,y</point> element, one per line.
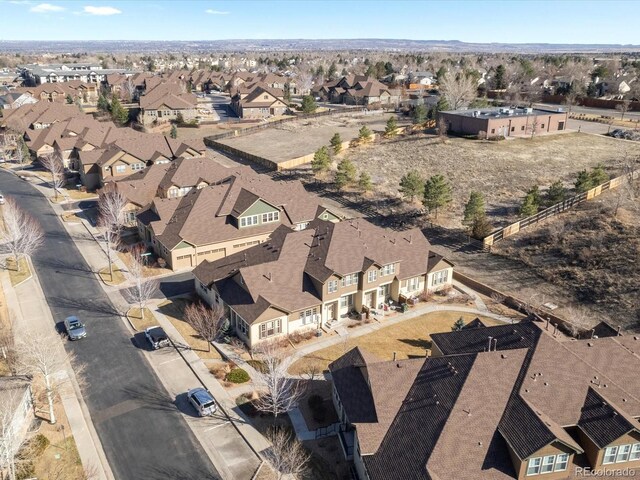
<point>554,210</point>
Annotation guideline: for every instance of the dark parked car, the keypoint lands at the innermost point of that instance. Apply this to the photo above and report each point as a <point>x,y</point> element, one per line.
<point>202,401</point>
<point>74,327</point>
<point>157,337</point>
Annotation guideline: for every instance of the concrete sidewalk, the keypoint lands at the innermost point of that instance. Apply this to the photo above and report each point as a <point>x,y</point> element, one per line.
<point>30,311</point>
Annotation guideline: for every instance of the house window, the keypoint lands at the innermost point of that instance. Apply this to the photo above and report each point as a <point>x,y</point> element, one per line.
<point>121,168</point>
<point>333,286</point>
<point>351,279</point>
<point>414,284</point>
<point>137,166</point>
<point>270,217</point>
<point>248,221</point>
<point>547,464</point>
<point>302,226</point>
<point>542,126</point>
<point>308,316</point>
<point>623,453</point>
<point>561,462</point>
<point>610,455</point>
<point>346,301</point>
<point>513,129</point>
<point>533,467</point>
<point>173,193</point>
<point>493,130</point>
<point>440,277</point>
<point>372,276</point>
<point>522,128</point>
<point>388,270</point>
<point>268,329</point>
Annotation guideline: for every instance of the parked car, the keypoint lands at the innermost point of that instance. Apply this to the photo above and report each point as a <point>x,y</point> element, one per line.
<point>157,337</point>
<point>1,199</point>
<point>202,401</point>
<point>75,328</point>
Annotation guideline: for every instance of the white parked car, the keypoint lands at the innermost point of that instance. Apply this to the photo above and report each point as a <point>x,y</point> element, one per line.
<point>202,401</point>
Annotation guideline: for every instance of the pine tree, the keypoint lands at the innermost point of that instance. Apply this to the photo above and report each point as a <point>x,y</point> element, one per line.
<point>556,193</point>
<point>458,325</point>
<point>598,176</point>
<point>21,146</point>
<point>583,182</point>
<point>437,193</point>
<point>174,131</point>
<point>331,73</point>
<point>535,193</point>
<point>474,208</point>
<point>481,227</point>
<point>69,99</point>
<point>308,104</point>
<point>529,205</point>
<point>321,160</point>
<point>365,182</point>
<point>419,114</point>
<point>364,133</point>
<point>442,104</point>
<point>392,127</point>
<point>103,103</point>
<point>119,114</point>
<point>411,185</point>
<point>346,173</point>
<point>498,80</point>
<point>336,143</point>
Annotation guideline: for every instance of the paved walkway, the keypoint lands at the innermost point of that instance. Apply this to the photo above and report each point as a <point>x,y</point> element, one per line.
<point>30,311</point>
<point>480,305</point>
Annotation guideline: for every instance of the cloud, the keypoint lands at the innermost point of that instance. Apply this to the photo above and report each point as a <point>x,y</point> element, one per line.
<point>20,2</point>
<point>102,11</point>
<point>215,12</point>
<point>46,8</point>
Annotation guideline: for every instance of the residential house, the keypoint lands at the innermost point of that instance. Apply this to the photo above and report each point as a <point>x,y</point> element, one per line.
<point>301,280</point>
<point>357,90</point>
<point>15,99</point>
<point>38,115</point>
<point>16,416</point>
<point>258,101</point>
<point>186,226</point>
<point>513,401</point>
<point>78,92</point>
<point>165,101</point>
<point>35,74</point>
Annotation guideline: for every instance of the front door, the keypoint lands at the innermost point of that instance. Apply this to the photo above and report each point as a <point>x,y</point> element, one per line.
<point>368,299</point>
<point>384,292</point>
<point>332,311</point>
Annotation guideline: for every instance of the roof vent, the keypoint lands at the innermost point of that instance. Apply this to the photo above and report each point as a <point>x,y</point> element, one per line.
<point>589,344</point>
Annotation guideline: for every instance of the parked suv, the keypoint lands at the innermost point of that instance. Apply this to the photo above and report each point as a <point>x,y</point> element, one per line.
<point>157,337</point>
<point>74,327</point>
<point>202,401</point>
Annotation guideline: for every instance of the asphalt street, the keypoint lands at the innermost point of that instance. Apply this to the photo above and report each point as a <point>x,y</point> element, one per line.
<point>142,431</point>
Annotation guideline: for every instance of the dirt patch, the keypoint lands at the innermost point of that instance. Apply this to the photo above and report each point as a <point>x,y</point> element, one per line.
<point>20,274</point>
<point>112,279</point>
<point>141,322</point>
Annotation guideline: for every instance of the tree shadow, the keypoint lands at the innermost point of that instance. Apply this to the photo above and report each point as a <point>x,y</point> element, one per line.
<point>416,342</point>
<point>148,396</point>
<point>155,472</point>
<point>59,264</point>
<point>84,304</point>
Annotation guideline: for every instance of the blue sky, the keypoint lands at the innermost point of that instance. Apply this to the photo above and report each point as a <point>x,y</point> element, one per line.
<point>516,21</point>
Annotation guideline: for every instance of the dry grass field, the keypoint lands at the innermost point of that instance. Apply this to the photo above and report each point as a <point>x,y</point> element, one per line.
<point>502,171</point>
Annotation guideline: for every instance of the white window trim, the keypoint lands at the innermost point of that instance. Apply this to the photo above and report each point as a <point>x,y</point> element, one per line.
<point>536,468</point>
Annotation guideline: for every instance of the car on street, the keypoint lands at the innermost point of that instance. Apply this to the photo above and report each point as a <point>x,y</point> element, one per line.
<point>202,401</point>
<point>157,337</point>
<point>75,328</point>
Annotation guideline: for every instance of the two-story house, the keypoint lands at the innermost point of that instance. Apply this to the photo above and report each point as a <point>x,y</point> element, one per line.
<point>506,402</point>
<point>165,101</point>
<point>258,101</point>
<point>306,279</point>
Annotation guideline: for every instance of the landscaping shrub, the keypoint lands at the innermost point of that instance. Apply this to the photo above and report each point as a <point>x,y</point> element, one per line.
<point>39,444</point>
<point>25,470</point>
<point>237,375</point>
<point>259,365</point>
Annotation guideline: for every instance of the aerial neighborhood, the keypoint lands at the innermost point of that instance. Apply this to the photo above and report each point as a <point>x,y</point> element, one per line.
<point>354,258</point>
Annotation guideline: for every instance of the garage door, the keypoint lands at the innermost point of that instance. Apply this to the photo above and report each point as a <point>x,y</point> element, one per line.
<point>183,261</point>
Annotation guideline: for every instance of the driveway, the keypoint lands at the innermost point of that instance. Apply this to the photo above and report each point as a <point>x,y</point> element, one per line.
<point>142,432</point>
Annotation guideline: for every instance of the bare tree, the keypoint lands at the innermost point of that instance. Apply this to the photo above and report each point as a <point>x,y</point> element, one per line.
<point>579,320</point>
<point>286,455</point>
<point>10,407</point>
<point>111,209</point>
<point>304,82</point>
<point>41,355</point>
<point>459,90</point>
<point>53,164</point>
<point>279,392</point>
<point>128,90</point>
<point>7,145</point>
<point>208,322</point>
<point>21,234</point>
<point>143,288</point>
<point>623,107</point>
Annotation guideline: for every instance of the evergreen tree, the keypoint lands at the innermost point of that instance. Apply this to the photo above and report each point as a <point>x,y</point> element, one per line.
<point>392,127</point>
<point>583,182</point>
<point>442,104</point>
<point>458,325</point>
<point>333,70</point>
<point>309,103</point>
<point>556,193</point>
<point>498,79</point>
<point>321,160</point>
<point>474,208</point>
<point>103,104</point>
<point>21,146</point>
<point>419,114</point>
<point>535,193</point>
<point>119,114</point>
<point>179,119</point>
<point>411,185</point>
<point>598,175</point>
<point>364,182</point>
<point>174,131</point>
<point>437,193</point>
<point>529,205</point>
<point>336,143</point>
<point>480,227</point>
<point>69,99</point>
<point>346,173</point>
<point>364,133</point>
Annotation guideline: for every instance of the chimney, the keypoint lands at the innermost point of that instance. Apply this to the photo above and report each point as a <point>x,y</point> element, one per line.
<point>269,276</point>
<point>547,325</point>
<point>490,339</point>
<point>619,328</point>
<point>394,356</point>
<point>410,238</point>
<point>593,332</point>
<point>495,344</point>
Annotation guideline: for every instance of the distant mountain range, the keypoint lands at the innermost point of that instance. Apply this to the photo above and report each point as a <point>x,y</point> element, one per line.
<point>453,46</point>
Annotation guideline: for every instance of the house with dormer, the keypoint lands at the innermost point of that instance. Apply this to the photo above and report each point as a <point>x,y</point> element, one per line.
<point>258,101</point>
<point>306,279</point>
<point>164,102</point>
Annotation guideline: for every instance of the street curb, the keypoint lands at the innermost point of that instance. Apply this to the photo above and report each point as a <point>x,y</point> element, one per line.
<point>126,315</point>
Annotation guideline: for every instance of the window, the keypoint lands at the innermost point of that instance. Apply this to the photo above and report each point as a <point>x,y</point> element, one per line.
<point>561,462</point>
<point>388,270</point>
<point>121,168</point>
<point>533,467</point>
<point>173,192</point>
<point>268,329</point>
<point>373,275</point>
<point>308,316</point>
<point>610,455</point>
<point>542,126</point>
<point>137,166</point>
<point>346,301</point>
<point>414,284</point>
<point>635,452</point>
<point>270,217</point>
<point>623,453</point>
<point>348,280</point>
<point>493,130</point>
<point>248,221</point>
<point>513,129</point>
<point>440,277</point>
<point>522,128</point>
<point>332,286</point>
<point>547,464</point>
<point>302,226</point>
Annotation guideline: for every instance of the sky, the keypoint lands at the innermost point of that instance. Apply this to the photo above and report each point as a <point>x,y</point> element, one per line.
<point>514,21</point>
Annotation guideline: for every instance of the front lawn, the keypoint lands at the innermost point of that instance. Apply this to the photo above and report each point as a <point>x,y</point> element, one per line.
<point>116,279</point>
<point>20,274</point>
<point>410,338</point>
<point>140,322</point>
